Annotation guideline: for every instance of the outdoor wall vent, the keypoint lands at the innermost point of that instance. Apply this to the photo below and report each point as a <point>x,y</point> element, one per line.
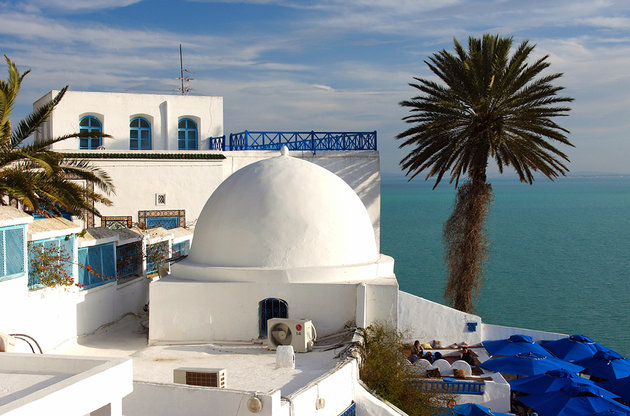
<point>160,199</point>
<point>472,326</point>
<point>206,377</point>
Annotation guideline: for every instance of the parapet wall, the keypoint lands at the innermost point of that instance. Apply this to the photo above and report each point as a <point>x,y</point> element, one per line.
<point>424,320</point>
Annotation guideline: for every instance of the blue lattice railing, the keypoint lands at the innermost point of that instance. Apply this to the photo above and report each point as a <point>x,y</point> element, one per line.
<point>305,140</point>
<point>449,387</point>
<point>350,411</point>
<point>217,143</point>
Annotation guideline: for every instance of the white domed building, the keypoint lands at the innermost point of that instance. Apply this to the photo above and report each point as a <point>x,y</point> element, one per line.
<point>284,238</point>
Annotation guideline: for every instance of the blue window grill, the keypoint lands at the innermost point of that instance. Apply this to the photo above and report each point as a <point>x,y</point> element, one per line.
<point>61,246</point>
<point>65,214</point>
<point>156,254</point>
<point>350,411</point>
<point>89,124</point>
<point>128,259</point>
<point>303,140</point>
<point>12,252</point>
<point>270,308</point>
<point>164,222</point>
<point>180,249</point>
<point>101,260</point>
<point>187,134</point>
<point>139,134</point>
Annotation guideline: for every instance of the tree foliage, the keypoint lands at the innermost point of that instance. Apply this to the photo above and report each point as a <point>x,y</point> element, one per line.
<point>486,104</point>
<point>386,371</point>
<point>43,179</point>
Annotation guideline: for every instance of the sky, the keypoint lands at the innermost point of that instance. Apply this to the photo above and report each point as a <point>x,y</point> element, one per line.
<point>323,65</point>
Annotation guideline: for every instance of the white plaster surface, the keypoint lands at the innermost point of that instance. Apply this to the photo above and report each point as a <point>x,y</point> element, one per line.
<point>50,384</point>
<point>424,320</point>
<point>283,213</point>
<point>116,110</point>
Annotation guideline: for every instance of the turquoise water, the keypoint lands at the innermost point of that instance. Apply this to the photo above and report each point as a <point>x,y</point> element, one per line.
<point>559,260</point>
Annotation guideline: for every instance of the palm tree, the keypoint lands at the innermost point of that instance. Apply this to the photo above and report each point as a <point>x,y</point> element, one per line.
<point>488,105</point>
<point>43,179</point>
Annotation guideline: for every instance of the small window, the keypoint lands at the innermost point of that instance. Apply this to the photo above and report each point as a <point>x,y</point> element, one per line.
<point>128,259</point>
<point>156,255</point>
<point>187,134</point>
<point>59,250</point>
<point>139,134</point>
<point>97,265</point>
<point>90,124</point>
<point>12,252</point>
<point>180,249</point>
<point>270,308</point>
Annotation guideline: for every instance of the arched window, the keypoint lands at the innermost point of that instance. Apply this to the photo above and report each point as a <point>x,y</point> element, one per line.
<point>186,134</point>
<point>139,134</point>
<point>89,124</point>
<point>270,308</point>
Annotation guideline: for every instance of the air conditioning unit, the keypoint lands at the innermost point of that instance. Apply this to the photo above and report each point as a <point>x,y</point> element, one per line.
<point>300,333</point>
<point>206,377</point>
<point>7,343</point>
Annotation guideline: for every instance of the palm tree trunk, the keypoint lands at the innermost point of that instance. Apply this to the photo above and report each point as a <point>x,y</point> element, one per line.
<point>466,244</point>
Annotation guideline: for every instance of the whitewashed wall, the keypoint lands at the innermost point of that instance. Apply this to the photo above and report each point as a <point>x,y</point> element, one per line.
<point>229,311</point>
<point>494,332</point>
<point>189,183</point>
<point>55,315</point>
<point>116,110</point>
<point>172,399</point>
<point>421,319</point>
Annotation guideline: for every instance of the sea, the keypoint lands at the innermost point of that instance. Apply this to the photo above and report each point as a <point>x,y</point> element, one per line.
<point>559,257</point>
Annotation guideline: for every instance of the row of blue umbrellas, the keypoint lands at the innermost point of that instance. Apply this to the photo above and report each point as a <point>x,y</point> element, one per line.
<point>554,388</point>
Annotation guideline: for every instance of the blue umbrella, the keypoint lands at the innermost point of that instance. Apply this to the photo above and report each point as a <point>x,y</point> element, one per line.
<point>528,364</point>
<point>572,348</point>
<point>555,380</point>
<point>472,409</point>
<point>572,401</point>
<point>620,386</point>
<point>608,365</point>
<point>515,344</point>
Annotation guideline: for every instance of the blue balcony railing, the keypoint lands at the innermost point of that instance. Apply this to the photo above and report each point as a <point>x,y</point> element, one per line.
<point>217,143</point>
<point>296,140</point>
<point>448,387</point>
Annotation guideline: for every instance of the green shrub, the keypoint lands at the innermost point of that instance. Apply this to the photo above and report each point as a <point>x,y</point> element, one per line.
<point>386,370</point>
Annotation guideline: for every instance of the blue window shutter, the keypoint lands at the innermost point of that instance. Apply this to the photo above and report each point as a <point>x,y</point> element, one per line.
<point>14,248</point>
<point>2,254</point>
<point>108,255</point>
<point>82,258</point>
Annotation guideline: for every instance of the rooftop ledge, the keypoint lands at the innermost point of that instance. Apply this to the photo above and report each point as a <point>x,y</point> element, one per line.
<point>99,154</point>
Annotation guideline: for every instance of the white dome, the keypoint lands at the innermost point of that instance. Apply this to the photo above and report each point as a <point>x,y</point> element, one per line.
<point>283,213</point>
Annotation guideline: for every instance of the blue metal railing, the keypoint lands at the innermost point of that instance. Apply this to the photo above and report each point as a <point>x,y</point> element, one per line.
<point>296,140</point>
<point>450,387</point>
<point>217,143</point>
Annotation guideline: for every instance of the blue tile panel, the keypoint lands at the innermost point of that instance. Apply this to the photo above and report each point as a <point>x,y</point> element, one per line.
<point>164,222</point>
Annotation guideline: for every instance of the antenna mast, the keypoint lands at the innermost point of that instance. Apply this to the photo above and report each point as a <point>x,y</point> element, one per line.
<point>184,89</point>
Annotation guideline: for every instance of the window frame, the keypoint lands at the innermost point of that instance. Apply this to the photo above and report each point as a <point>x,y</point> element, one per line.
<point>139,131</point>
<point>90,140</point>
<point>186,130</point>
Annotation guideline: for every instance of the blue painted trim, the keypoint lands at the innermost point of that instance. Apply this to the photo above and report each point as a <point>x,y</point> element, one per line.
<point>89,124</point>
<point>304,140</point>
<point>189,141</point>
<point>350,411</point>
<point>137,142</point>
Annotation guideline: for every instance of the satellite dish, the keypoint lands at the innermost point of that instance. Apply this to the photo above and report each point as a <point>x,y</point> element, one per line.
<point>280,334</point>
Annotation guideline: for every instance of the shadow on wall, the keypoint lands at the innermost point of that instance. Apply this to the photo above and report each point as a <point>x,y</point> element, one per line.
<point>362,174</point>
